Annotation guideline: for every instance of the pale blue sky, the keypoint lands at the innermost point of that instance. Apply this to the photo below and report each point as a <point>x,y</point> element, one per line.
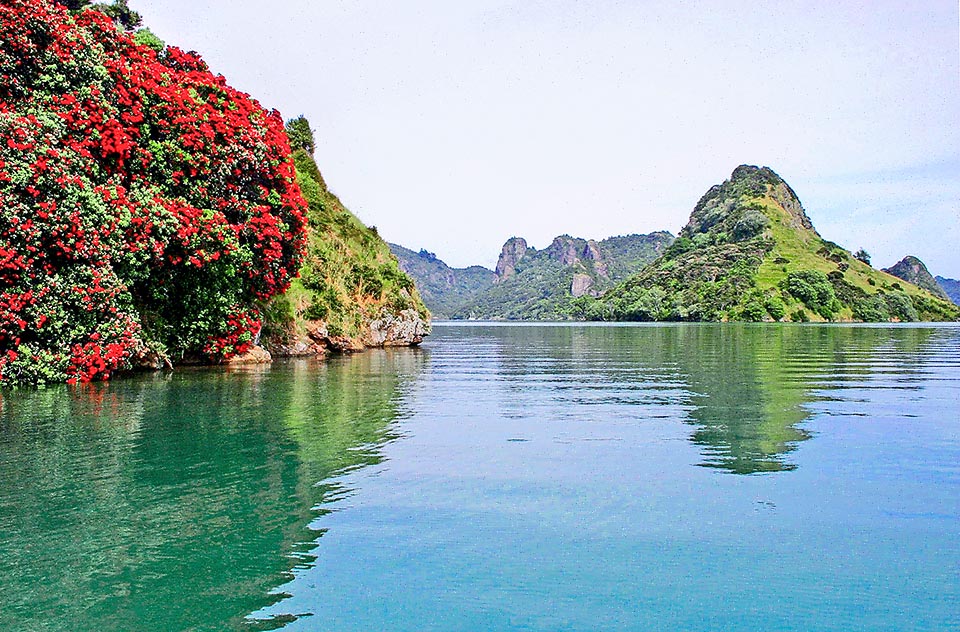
<point>452,126</point>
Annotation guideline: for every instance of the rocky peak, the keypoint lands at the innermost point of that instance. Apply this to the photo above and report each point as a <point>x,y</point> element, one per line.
<point>912,270</point>
<point>723,201</point>
<point>591,252</point>
<point>564,249</point>
<point>511,254</point>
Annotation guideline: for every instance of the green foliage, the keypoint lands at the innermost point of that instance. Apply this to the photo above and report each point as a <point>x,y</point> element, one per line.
<point>300,135</point>
<point>814,289</point>
<point>901,307</point>
<point>349,276</point>
<point>750,224</point>
<point>146,37</point>
<point>862,255</point>
<point>775,307</point>
<point>754,309</point>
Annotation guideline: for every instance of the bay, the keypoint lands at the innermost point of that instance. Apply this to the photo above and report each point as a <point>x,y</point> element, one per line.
<point>502,477</point>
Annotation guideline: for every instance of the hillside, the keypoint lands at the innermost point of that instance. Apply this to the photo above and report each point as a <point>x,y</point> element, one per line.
<point>951,287</point>
<point>912,270</point>
<point>351,292</point>
<point>444,289</point>
<point>151,215</point>
<point>547,284</point>
<point>750,252</point>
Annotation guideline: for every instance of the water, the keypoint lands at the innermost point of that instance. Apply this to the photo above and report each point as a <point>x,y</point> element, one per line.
<point>730,477</point>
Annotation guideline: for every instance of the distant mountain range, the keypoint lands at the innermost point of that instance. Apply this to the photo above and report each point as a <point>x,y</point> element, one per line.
<point>951,287</point>
<point>443,289</point>
<point>749,252</point>
<point>530,284</point>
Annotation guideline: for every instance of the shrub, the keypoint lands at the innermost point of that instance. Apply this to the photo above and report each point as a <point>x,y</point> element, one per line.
<point>775,307</point>
<point>901,307</point>
<point>814,289</point>
<point>749,225</point>
<point>144,203</point>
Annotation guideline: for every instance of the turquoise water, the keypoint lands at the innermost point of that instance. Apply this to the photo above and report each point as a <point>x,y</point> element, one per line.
<point>675,477</point>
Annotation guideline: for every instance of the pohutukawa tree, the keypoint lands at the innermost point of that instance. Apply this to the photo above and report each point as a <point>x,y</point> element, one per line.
<point>146,207</point>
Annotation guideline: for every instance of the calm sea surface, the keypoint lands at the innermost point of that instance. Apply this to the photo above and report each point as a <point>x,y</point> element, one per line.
<point>678,477</point>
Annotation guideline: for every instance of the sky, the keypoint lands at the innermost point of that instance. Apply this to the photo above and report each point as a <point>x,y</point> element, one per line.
<point>452,126</point>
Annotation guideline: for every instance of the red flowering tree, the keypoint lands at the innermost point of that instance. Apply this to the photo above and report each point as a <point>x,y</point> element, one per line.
<point>146,207</point>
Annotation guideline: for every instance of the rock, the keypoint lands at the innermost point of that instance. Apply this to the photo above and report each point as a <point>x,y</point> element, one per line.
<point>146,359</point>
<point>564,250</point>
<point>581,284</point>
<point>405,329</point>
<point>511,253</point>
<point>255,355</point>
<point>298,348</point>
<point>592,252</point>
<point>344,344</point>
<point>317,332</point>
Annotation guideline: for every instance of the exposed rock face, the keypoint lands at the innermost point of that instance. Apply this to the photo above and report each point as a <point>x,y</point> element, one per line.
<point>256,355</point>
<point>299,348</point>
<point>511,254</point>
<point>397,330</point>
<point>912,270</point>
<point>564,250</point>
<point>592,252</point>
<point>581,284</point>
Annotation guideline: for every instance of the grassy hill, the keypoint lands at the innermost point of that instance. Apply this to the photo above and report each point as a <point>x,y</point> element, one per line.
<point>750,252</point>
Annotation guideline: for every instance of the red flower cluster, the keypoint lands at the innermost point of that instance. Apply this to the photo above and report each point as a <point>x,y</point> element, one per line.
<point>144,203</point>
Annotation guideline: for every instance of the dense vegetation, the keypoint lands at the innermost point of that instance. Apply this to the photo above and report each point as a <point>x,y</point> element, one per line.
<point>444,289</point>
<point>349,276</point>
<point>147,209</point>
<point>749,252</point>
<point>549,284</point>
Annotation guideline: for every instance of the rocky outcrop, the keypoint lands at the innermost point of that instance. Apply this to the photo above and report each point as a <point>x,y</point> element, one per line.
<point>255,355</point>
<point>591,252</point>
<point>564,250</point>
<point>510,255</point>
<point>581,284</point>
<point>405,329</point>
<point>912,270</point>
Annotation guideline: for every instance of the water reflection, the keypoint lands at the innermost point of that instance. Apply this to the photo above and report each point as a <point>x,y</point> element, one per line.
<point>755,385</point>
<point>746,389</point>
<point>180,501</point>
